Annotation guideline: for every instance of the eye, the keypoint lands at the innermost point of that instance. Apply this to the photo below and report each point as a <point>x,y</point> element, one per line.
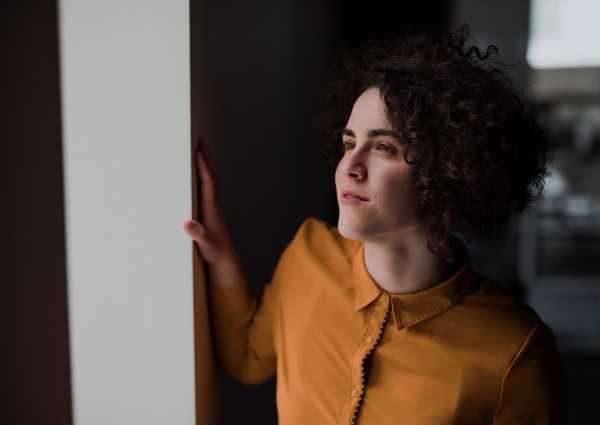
<point>348,146</point>
<point>384,148</point>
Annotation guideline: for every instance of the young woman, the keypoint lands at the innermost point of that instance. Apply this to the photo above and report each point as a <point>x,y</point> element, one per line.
<point>383,320</point>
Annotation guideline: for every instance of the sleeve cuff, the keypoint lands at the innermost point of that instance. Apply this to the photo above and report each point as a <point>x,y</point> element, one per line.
<point>235,299</point>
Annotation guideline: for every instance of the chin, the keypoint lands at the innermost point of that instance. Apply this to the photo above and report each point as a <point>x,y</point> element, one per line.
<point>354,228</point>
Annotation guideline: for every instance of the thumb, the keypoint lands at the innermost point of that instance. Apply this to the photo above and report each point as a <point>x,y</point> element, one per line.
<point>196,231</point>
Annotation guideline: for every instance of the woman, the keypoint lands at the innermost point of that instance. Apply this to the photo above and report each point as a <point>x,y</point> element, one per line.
<point>383,320</point>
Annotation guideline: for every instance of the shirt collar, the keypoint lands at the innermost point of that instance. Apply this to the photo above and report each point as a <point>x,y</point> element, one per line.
<point>409,309</point>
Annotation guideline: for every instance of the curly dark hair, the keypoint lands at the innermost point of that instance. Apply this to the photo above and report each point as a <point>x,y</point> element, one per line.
<point>477,154</point>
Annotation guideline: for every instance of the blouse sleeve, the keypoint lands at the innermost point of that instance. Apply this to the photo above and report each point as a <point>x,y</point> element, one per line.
<point>242,324</point>
<point>535,388</point>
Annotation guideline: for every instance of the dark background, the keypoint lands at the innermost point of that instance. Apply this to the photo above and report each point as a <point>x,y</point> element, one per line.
<point>34,349</point>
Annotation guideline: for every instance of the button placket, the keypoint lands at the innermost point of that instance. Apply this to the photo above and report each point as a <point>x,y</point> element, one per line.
<point>373,333</point>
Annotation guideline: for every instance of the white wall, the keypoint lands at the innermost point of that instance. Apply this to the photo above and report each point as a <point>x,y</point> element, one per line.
<point>125,77</point>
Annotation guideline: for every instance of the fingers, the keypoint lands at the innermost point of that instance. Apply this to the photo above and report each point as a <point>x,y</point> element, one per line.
<point>208,156</point>
<point>204,158</point>
<point>206,178</point>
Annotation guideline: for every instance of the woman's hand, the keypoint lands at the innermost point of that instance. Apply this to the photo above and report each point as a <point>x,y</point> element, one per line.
<point>212,236</point>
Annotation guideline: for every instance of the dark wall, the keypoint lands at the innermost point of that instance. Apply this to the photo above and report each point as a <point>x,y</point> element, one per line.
<point>502,23</point>
<point>362,20</point>
<point>35,378</point>
<point>265,64</point>
<point>506,25</point>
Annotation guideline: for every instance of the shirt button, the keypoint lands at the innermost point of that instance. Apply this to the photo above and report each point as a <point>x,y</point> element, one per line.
<point>354,392</point>
<point>382,298</point>
<point>369,340</point>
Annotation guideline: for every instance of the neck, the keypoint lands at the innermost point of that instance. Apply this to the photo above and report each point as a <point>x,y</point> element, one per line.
<point>404,265</point>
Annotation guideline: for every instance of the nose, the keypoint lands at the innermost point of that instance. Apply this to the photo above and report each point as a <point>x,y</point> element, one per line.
<point>354,165</point>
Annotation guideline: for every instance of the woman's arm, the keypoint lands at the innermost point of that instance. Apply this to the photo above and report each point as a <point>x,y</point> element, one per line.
<point>535,388</point>
<point>242,323</point>
<point>212,237</point>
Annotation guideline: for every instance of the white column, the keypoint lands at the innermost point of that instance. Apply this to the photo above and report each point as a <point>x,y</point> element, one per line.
<point>125,84</point>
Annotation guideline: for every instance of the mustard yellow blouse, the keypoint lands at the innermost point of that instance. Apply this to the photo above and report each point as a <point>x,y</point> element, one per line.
<point>463,352</point>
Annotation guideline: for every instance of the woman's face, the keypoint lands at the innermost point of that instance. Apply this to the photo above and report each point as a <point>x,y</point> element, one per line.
<point>376,197</point>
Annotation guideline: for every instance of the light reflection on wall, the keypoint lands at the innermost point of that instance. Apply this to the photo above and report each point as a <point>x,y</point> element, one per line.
<point>564,34</point>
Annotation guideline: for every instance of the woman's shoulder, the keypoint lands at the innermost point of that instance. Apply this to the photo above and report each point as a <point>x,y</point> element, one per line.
<point>499,294</point>
<point>508,318</point>
<point>321,242</point>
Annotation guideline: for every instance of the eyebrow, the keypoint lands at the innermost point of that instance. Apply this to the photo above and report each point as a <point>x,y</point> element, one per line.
<point>373,133</point>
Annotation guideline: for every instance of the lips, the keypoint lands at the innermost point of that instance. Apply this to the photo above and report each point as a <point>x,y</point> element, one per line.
<point>350,194</point>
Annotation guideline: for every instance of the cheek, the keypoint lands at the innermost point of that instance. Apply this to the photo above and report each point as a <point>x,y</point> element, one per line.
<point>397,191</point>
<point>338,175</point>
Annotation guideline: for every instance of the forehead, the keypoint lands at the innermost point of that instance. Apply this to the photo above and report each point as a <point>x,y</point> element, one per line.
<point>368,112</point>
